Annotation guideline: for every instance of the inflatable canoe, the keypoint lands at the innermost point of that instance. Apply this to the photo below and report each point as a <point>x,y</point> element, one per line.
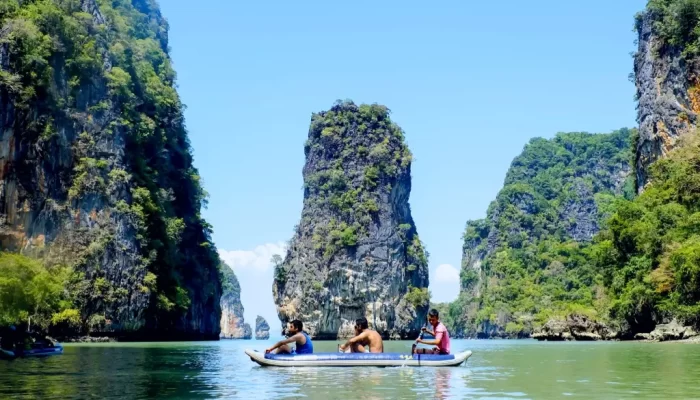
<point>358,359</point>
<point>37,351</point>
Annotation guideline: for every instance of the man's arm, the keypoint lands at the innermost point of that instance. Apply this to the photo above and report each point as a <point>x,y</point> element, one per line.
<point>353,340</point>
<point>435,342</point>
<point>284,341</point>
<point>426,330</point>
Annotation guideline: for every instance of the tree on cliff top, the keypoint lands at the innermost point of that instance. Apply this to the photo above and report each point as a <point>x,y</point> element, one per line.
<point>358,152</point>
<point>676,22</point>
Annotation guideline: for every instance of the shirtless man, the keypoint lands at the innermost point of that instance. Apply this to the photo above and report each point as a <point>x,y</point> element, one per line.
<point>364,337</point>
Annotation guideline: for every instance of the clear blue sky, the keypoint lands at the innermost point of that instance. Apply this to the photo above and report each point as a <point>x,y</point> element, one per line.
<point>470,83</point>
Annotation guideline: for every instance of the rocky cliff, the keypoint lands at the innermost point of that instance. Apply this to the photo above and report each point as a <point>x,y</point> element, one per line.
<point>519,264</point>
<point>576,257</point>
<point>233,325</point>
<point>356,252</point>
<point>666,67</point>
<point>262,329</point>
<point>645,255</point>
<point>96,170</point>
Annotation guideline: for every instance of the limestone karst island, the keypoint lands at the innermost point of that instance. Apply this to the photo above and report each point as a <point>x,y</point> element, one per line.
<point>447,187</point>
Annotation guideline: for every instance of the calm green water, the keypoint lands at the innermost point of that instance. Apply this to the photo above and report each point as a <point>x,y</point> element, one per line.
<point>497,370</point>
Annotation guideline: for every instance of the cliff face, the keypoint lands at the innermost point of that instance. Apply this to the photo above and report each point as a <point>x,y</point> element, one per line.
<point>666,76</point>
<point>644,256</point>
<point>233,325</point>
<point>356,252</point>
<point>543,260</point>
<point>95,166</point>
<point>552,200</point>
<point>262,329</point>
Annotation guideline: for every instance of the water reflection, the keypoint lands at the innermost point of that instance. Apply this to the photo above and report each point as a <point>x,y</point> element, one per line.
<point>361,383</point>
<point>326,383</point>
<point>180,373</point>
<point>498,369</point>
<point>133,372</point>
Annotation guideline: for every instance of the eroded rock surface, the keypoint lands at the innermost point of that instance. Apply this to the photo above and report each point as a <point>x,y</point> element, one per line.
<point>355,252</point>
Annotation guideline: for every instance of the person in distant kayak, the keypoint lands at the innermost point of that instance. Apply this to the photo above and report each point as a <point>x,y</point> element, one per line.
<point>296,335</point>
<point>364,338</point>
<point>439,332</point>
<point>9,337</point>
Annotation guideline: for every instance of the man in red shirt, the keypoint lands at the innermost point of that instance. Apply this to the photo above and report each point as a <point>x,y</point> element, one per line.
<point>442,338</point>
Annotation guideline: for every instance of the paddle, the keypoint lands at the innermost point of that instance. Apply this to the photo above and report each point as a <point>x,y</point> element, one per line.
<point>413,348</point>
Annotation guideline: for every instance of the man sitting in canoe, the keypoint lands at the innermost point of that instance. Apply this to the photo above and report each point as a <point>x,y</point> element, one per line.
<point>364,337</point>
<point>298,336</point>
<point>439,332</point>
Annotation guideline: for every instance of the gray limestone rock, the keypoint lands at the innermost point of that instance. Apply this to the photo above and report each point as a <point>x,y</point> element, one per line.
<point>262,329</point>
<point>356,251</point>
<point>667,93</point>
<point>574,327</point>
<point>233,325</point>
<point>672,331</point>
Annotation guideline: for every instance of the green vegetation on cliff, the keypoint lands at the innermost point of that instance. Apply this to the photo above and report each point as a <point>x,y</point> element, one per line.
<point>28,290</point>
<point>649,255</point>
<point>101,68</point>
<point>677,23</point>
<point>524,265</point>
<point>636,264</point>
<point>233,325</point>
<point>361,135</point>
<point>526,262</point>
<point>229,282</point>
<point>356,251</point>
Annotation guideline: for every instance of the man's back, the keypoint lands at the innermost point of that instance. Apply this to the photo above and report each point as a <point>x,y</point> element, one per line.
<point>374,339</point>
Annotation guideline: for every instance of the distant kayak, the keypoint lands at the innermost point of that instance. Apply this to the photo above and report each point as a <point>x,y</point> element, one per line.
<point>358,359</point>
<point>35,351</point>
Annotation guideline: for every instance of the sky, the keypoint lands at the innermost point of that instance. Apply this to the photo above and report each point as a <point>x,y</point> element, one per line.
<point>469,82</point>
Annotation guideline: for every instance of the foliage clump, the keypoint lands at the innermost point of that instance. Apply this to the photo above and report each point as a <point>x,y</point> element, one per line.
<point>676,22</point>
<point>649,255</point>
<point>30,290</point>
<point>418,297</point>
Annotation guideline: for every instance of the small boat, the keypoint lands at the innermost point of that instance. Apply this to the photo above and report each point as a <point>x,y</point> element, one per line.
<point>358,359</point>
<point>37,350</point>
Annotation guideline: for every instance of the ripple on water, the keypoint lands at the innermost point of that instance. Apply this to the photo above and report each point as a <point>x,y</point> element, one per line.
<point>498,369</point>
